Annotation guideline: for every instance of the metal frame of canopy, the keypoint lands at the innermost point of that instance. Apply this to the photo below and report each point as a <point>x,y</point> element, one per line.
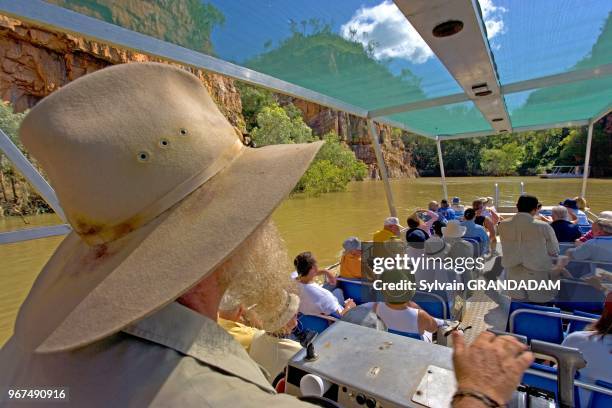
<point>477,52</point>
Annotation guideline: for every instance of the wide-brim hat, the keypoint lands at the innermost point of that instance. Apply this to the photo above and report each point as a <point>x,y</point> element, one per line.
<point>435,246</point>
<point>158,189</point>
<point>453,229</point>
<point>292,304</point>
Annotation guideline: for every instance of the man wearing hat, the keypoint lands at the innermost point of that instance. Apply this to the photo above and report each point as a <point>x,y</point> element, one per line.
<point>391,229</point>
<point>154,182</point>
<point>350,263</point>
<point>577,215</point>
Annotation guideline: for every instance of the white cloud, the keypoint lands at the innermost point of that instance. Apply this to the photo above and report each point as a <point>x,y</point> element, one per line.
<point>392,36</point>
<point>493,17</point>
<point>387,29</point>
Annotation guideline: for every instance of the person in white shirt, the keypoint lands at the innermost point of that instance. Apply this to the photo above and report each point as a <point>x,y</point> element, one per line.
<point>456,205</point>
<point>273,349</point>
<point>315,299</point>
<point>596,346</point>
<point>398,312</point>
<point>528,245</point>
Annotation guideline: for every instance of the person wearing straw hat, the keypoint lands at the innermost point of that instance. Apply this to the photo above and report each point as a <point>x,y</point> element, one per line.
<point>460,249</point>
<point>154,182</point>
<point>273,349</point>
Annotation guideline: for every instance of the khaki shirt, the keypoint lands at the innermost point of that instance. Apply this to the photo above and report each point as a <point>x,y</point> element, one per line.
<point>528,244</point>
<point>173,358</point>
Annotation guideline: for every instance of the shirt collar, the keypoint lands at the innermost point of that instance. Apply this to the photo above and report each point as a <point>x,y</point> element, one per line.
<point>190,333</point>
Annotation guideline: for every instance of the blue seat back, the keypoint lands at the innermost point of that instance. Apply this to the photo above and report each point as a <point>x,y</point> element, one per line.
<point>584,229</point>
<point>600,400</point>
<point>432,304</point>
<point>416,336</point>
<point>475,243</point>
<point>578,295</point>
<point>576,325</point>
<point>355,289</point>
<point>534,326</point>
<point>313,323</point>
<point>547,384</point>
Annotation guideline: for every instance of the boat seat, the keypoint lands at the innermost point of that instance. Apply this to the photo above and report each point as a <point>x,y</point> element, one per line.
<point>433,304</point>
<point>599,399</point>
<point>314,323</point>
<point>578,295</point>
<point>528,320</point>
<point>546,384</point>
<point>577,325</point>
<point>475,243</point>
<point>358,290</point>
<point>415,336</point>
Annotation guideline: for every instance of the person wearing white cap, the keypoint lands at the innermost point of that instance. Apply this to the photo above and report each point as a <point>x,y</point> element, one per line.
<point>391,230</point>
<point>273,349</point>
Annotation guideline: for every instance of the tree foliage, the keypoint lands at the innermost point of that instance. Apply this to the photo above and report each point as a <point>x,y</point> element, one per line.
<point>274,126</point>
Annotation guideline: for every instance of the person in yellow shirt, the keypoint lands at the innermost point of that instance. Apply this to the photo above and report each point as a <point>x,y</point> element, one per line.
<point>391,229</point>
<point>230,315</point>
<point>350,263</point>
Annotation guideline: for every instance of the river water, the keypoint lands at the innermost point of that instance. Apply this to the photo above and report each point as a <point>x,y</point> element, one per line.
<point>317,224</point>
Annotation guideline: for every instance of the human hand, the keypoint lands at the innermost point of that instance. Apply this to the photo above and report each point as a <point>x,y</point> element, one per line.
<point>331,278</point>
<point>492,365</point>
<point>349,304</point>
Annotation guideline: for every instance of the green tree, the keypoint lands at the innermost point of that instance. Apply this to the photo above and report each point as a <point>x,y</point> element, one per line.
<point>253,101</point>
<point>502,161</point>
<point>274,126</point>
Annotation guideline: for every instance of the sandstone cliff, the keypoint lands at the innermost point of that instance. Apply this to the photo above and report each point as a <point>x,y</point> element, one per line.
<point>354,132</point>
<point>36,61</point>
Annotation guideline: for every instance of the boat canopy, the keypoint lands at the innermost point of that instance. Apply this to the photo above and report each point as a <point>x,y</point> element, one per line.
<point>443,69</point>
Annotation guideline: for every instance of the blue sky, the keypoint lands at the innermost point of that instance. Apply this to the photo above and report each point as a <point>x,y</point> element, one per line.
<point>528,38</point>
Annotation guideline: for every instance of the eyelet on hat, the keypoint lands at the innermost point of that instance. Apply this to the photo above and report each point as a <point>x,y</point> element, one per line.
<point>164,143</point>
<point>183,131</point>
<point>143,156</point>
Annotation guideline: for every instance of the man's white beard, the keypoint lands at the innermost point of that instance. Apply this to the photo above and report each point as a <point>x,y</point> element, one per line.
<point>257,274</point>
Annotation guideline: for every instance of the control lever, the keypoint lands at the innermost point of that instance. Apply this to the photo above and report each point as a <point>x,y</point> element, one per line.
<point>306,339</point>
<point>569,360</point>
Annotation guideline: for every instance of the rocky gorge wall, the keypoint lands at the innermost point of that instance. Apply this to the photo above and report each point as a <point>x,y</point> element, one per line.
<point>36,62</point>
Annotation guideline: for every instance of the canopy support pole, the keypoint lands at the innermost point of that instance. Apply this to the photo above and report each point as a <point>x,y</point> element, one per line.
<point>26,168</point>
<point>441,162</point>
<point>587,159</point>
<point>382,167</point>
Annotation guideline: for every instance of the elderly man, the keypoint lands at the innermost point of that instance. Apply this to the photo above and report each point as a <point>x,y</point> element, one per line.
<point>564,229</point>
<point>528,245</point>
<point>154,182</point>
<point>231,318</point>
<point>391,230</point>
<point>599,248</point>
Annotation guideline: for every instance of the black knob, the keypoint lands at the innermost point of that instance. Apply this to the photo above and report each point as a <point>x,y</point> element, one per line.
<point>361,399</point>
<point>371,403</point>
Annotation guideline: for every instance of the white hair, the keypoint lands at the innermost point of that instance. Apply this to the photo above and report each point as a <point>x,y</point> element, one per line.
<point>606,214</point>
<point>605,224</point>
<point>560,213</point>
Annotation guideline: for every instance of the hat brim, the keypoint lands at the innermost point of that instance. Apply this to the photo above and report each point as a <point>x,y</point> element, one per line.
<point>85,293</point>
<point>460,233</point>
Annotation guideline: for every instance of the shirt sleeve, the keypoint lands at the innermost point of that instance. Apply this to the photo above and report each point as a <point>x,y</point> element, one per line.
<point>580,253</point>
<point>329,304</point>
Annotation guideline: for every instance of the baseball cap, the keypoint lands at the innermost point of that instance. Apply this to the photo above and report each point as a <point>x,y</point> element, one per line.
<point>392,221</point>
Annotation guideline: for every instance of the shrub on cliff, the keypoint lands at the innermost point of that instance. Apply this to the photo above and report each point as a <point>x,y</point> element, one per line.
<point>274,126</point>
<point>332,169</point>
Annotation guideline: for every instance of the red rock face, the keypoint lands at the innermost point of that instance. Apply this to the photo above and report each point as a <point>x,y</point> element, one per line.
<point>354,132</point>
<point>36,62</point>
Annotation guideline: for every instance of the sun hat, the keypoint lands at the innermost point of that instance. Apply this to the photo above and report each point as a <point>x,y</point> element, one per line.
<point>569,203</point>
<point>453,229</point>
<point>154,181</point>
<point>436,246</point>
<point>401,292</point>
<point>292,304</point>
<point>351,243</point>
<point>392,221</point>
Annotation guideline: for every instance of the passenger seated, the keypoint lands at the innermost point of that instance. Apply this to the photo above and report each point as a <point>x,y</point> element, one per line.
<point>437,227</point>
<point>459,248</point>
<point>599,248</point>
<point>445,211</point>
<point>487,223</point>
<point>474,230</point>
<point>542,217</point>
<point>314,299</point>
<point>231,317</point>
<point>589,235</point>
<point>457,207</point>
<point>273,348</point>
<point>564,229</point>
<point>398,312</point>
<point>391,230</point>
<point>595,343</point>
<point>415,236</point>
<point>350,263</point>
<point>577,216</point>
